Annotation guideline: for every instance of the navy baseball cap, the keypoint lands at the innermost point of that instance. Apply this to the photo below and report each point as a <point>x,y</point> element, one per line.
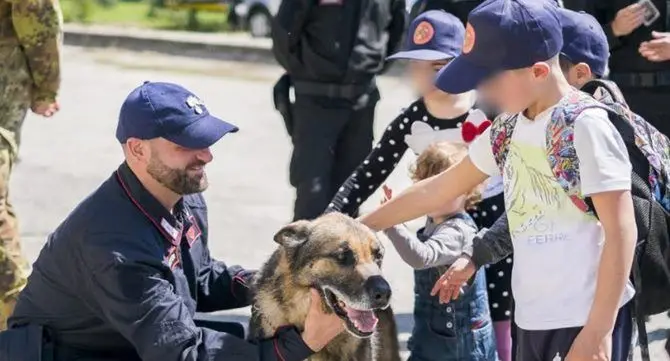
<point>433,35</point>
<point>169,111</point>
<point>584,40</point>
<point>503,35</point>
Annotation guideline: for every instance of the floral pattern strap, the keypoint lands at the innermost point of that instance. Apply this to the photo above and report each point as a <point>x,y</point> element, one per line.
<point>561,151</point>
<point>502,129</point>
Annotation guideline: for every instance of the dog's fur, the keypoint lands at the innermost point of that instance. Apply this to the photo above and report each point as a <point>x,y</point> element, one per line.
<point>334,253</point>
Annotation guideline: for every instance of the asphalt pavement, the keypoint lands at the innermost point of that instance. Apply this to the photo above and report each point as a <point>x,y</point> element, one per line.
<point>65,158</point>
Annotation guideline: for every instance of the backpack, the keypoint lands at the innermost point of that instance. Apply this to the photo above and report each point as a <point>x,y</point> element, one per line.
<point>649,153</point>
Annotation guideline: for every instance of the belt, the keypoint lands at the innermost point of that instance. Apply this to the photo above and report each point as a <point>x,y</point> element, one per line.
<point>329,90</point>
<point>642,80</point>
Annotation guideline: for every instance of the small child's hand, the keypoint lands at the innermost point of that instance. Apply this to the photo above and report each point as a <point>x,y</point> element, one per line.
<point>388,194</point>
<point>450,284</point>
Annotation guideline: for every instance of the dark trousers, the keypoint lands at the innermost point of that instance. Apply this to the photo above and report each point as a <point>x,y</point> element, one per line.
<point>554,345</point>
<point>331,137</point>
<point>653,104</point>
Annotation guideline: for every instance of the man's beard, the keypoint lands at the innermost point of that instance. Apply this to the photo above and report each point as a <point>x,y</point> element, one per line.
<point>177,180</point>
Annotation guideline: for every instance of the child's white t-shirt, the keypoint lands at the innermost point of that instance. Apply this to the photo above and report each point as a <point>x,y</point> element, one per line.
<point>557,247</point>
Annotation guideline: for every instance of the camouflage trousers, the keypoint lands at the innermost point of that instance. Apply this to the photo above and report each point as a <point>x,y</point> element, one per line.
<point>15,89</point>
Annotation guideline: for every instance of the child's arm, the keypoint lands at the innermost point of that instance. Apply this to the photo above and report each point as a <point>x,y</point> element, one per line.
<point>429,194</point>
<point>491,245</point>
<point>615,211</point>
<point>426,195</point>
<point>374,170</point>
<point>605,174</point>
<point>441,249</point>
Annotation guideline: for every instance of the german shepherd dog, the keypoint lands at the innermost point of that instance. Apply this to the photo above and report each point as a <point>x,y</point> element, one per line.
<point>341,258</point>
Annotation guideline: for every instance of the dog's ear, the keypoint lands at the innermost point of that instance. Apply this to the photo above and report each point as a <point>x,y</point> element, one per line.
<point>293,234</point>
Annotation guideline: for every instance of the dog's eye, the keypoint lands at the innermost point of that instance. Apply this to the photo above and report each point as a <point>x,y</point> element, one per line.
<point>346,257</point>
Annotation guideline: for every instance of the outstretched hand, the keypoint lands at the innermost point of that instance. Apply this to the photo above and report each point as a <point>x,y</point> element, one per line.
<point>657,49</point>
<point>450,284</point>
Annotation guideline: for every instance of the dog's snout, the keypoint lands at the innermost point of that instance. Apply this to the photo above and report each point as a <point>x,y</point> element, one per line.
<point>379,291</point>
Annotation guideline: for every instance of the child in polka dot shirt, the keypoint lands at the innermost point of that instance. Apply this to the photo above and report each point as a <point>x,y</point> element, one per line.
<point>460,330</point>
<point>434,38</point>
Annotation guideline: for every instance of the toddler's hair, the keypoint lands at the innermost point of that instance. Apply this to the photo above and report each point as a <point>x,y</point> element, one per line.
<point>439,157</point>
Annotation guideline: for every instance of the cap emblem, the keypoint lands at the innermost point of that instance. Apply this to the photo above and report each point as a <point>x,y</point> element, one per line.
<point>194,103</point>
<point>469,39</point>
<point>423,33</point>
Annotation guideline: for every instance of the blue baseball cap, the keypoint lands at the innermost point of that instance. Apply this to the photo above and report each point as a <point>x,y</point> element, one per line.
<point>169,111</point>
<point>584,40</point>
<point>503,35</point>
<point>433,35</point>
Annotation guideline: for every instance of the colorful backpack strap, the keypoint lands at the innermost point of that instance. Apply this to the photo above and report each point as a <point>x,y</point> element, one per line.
<point>654,145</point>
<point>502,129</point>
<point>561,151</point>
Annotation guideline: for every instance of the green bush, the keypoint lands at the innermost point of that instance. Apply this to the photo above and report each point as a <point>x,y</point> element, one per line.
<point>107,3</point>
<point>78,10</point>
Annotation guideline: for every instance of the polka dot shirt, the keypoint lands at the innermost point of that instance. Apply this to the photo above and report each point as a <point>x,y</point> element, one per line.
<point>384,157</point>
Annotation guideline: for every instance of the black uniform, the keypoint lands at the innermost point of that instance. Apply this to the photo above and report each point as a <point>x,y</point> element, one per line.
<point>458,8</point>
<point>332,50</point>
<point>645,84</point>
<point>121,279</point>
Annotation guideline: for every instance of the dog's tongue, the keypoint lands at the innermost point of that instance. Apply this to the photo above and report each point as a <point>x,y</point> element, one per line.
<point>365,321</point>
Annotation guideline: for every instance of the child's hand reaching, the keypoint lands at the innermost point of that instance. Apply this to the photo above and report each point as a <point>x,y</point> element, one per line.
<point>388,194</point>
<point>450,284</point>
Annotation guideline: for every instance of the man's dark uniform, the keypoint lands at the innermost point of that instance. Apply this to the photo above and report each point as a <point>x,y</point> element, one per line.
<point>458,8</point>
<point>332,50</point>
<point>645,84</point>
<point>122,277</point>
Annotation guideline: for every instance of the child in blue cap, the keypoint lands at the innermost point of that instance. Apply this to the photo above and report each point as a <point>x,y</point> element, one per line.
<point>571,271</point>
<point>585,52</point>
<point>434,39</point>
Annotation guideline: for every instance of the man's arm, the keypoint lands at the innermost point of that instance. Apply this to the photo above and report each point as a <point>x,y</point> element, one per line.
<point>397,27</point>
<point>491,245</point>
<point>37,24</point>
<point>223,288</point>
<point>287,28</point>
<point>129,291</point>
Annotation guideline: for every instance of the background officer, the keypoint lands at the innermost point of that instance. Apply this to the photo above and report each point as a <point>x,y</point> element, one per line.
<point>458,8</point>
<point>640,54</point>
<point>30,32</point>
<point>332,50</point>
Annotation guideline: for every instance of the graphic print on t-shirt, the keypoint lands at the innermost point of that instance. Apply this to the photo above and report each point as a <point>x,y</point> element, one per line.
<point>534,198</point>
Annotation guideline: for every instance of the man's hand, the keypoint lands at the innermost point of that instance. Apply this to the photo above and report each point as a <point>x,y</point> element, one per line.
<point>45,109</point>
<point>320,327</point>
<point>658,49</point>
<point>450,284</point>
<point>590,346</point>
<point>627,20</point>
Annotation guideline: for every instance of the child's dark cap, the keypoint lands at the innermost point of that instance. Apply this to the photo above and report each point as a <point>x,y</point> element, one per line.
<point>433,35</point>
<point>584,41</point>
<point>503,35</point>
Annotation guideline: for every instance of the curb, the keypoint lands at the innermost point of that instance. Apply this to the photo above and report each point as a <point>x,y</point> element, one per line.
<point>221,50</point>
<point>196,45</point>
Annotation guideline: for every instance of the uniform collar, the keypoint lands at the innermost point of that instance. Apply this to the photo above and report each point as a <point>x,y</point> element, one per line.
<point>168,225</point>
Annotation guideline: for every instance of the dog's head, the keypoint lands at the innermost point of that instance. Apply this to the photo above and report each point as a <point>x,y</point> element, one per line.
<point>342,259</point>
